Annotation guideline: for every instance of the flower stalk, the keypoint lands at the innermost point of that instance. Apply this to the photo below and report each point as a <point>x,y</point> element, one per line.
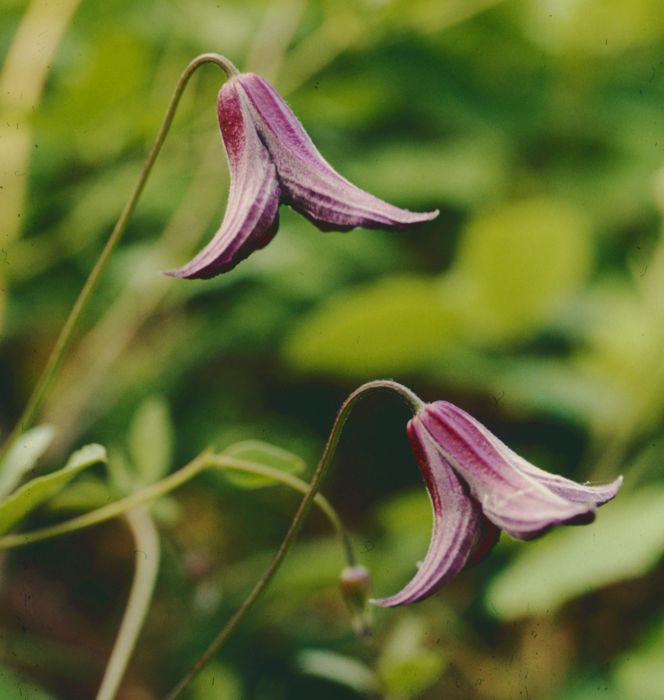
<point>66,334</point>
<point>206,460</point>
<point>413,402</point>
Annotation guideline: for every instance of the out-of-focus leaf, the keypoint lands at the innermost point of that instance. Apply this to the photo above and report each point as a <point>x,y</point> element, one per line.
<point>640,674</point>
<point>601,27</point>
<point>23,456</point>
<point>625,354</point>
<point>151,439</point>
<point>13,687</point>
<point>216,681</point>
<point>591,687</point>
<point>396,325</point>
<point>38,490</point>
<point>86,494</point>
<point>626,542</point>
<point>340,669</point>
<point>467,172</point>
<point>648,464</point>
<point>120,473</point>
<point>259,452</point>
<point>556,387</point>
<point>102,89</point>
<point>342,102</point>
<point>518,264</point>
<point>407,667</point>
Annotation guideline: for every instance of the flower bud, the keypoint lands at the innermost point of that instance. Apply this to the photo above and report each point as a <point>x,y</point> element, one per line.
<point>355,585</point>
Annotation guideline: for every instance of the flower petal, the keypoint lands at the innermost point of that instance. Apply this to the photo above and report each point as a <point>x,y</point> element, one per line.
<point>310,184</point>
<point>251,218</point>
<point>457,522</point>
<point>512,497</point>
<point>566,488</point>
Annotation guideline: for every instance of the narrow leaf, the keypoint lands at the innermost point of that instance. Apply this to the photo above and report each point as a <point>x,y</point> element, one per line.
<point>265,454</point>
<point>23,456</point>
<point>35,492</point>
<point>151,439</point>
<point>339,669</point>
<point>626,542</point>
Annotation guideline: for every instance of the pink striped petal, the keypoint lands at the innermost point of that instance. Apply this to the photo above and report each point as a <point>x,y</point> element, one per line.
<point>516,496</point>
<point>273,161</point>
<point>251,219</point>
<point>310,184</point>
<point>457,522</point>
<point>566,488</point>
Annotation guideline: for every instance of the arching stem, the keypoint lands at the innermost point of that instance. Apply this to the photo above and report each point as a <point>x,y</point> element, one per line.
<point>328,453</point>
<point>66,334</point>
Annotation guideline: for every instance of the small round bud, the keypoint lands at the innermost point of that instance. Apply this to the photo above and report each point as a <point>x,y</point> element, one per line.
<point>355,585</point>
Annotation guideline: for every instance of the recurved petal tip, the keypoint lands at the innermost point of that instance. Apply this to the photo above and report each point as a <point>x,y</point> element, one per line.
<point>457,524</point>
<point>586,493</point>
<point>310,184</point>
<point>515,495</point>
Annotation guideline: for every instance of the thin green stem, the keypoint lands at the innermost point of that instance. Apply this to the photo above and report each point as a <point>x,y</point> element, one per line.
<point>205,460</point>
<point>297,485</point>
<point>66,334</point>
<point>112,510</point>
<point>305,505</point>
<point>146,557</point>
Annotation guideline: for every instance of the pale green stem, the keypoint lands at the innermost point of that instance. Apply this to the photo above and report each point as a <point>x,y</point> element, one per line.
<point>328,453</point>
<point>146,558</point>
<point>205,460</point>
<point>66,334</point>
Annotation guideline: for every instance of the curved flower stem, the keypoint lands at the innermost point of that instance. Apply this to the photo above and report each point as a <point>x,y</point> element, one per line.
<point>65,337</point>
<point>146,555</point>
<point>328,453</point>
<point>303,487</point>
<point>205,460</point>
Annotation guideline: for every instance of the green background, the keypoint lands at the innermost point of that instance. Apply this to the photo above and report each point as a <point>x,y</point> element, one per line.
<point>535,301</point>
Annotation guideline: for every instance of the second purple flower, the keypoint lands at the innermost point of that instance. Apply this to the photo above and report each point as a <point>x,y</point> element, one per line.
<point>478,487</point>
<point>273,161</point>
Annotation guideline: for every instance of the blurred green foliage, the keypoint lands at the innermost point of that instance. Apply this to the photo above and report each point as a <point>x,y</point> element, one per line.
<point>534,301</point>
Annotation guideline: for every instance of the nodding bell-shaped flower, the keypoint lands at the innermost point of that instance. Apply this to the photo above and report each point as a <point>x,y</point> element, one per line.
<point>478,487</point>
<point>273,161</point>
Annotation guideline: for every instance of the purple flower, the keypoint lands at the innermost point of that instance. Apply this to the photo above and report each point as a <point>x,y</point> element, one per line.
<point>478,487</point>
<point>273,161</point>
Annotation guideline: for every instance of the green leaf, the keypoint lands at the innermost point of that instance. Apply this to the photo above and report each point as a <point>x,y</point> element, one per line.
<point>13,687</point>
<point>151,439</point>
<point>121,477</point>
<point>467,171</point>
<point>626,542</point>
<point>265,454</point>
<point>35,492</point>
<point>216,681</point>
<point>518,264</point>
<point>339,669</point>
<point>396,325</point>
<point>86,494</point>
<point>641,673</point>
<point>407,666</point>
<point>23,456</point>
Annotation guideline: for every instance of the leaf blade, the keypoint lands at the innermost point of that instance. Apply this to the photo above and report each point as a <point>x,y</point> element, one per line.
<point>35,492</point>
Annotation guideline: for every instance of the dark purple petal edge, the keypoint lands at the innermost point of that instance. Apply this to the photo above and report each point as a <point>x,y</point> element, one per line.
<point>251,218</point>
<point>513,497</point>
<point>458,523</point>
<point>310,184</point>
